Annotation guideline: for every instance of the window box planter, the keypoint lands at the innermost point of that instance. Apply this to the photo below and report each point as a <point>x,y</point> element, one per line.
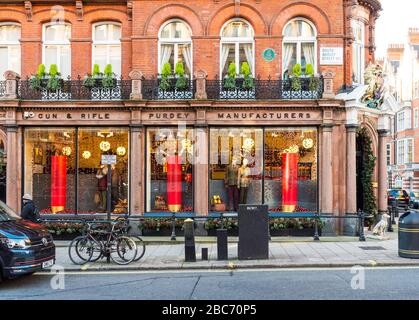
<point>293,232</point>
<point>172,92</point>
<point>163,232</point>
<point>238,92</point>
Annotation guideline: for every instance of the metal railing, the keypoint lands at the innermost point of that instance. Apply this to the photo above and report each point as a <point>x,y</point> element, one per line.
<point>75,90</point>
<point>297,89</point>
<point>168,89</point>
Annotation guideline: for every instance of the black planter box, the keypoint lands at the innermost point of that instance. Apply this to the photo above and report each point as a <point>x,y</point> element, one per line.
<point>230,232</point>
<point>164,232</point>
<point>293,232</point>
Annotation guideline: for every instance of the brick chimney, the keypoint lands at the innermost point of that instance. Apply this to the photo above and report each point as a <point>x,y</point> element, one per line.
<point>414,36</point>
<point>395,51</point>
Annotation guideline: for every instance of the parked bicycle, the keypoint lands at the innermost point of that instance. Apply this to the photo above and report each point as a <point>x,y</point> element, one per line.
<point>99,242</point>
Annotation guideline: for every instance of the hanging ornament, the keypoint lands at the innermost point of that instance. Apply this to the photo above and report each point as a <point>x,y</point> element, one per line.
<point>292,149</point>
<point>66,151</point>
<point>121,151</point>
<point>308,143</point>
<point>104,146</point>
<point>248,144</point>
<point>186,146</point>
<point>86,154</point>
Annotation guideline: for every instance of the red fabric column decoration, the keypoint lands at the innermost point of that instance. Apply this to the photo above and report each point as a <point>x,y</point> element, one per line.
<point>174,184</point>
<point>289,181</point>
<point>58,183</point>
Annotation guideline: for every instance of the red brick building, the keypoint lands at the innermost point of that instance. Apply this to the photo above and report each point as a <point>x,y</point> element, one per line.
<point>253,84</point>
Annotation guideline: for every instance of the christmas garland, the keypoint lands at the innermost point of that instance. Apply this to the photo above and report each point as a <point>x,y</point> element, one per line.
<point>370,202</point>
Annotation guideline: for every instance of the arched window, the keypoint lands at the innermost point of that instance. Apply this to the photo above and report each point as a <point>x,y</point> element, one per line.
<point>107,46</point>
<point>175,45</point>
<point>299,45</point>
<point>9,48</point>
<point>56,47</point>
<point>237,46</point>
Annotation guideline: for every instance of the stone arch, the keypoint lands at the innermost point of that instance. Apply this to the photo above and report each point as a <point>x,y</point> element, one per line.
<point>42,16</point>
<point>173,11</point>
<point>373,135</point>
<point>227,12</point>
<point>10,15</point>
<point>304,10</point>
<point>109,14</point>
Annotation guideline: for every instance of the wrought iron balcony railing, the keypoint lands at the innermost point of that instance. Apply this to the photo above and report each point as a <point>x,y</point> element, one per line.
<point>168,89</point>
<point>75,90</point>
<point>290,89</point>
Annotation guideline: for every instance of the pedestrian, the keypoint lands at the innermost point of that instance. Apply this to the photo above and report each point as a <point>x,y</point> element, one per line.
<point>30,211</point>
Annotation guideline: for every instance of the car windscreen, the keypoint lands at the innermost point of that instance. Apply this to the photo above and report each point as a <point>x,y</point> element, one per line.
<point>7,214</point>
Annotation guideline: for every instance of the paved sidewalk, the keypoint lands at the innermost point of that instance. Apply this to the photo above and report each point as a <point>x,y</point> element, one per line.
<point>283,254</point>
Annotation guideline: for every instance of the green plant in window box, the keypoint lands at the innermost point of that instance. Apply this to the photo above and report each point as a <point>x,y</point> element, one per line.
<point>314,82</point>
<point>248,82</point>
<point>90,80</point>
<point>295,80</point>
<point>35,81</point>
<point>164,77</point>
<point>108,80</point>
<point>230,79</point>
<point>54,81</point>
<point>181,81</point>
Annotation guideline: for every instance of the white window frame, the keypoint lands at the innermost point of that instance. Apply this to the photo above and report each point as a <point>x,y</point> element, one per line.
<point>299,41</point>
<point>237,41</point>
<point>400,121</point>
<point>107,43</point>
<point>175,42</point>
<point>408,119</point>
<point>9,45</point>
<point>403,151</point>
<point>58,44</point>
<point>415,118</point>
<point>360,46</point>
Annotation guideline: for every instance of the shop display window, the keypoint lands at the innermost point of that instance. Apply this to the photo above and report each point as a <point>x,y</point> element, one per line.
<point>290,177</point>
<point>92,175</point>
<point>169,170</point>
<point>236,156</point>
<point>61,163</point>
<point>50,168</point>
<point>273,166</point>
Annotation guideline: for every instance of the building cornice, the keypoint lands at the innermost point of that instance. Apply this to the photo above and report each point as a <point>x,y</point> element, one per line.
<point>373,5</point>
<point>58,2</point>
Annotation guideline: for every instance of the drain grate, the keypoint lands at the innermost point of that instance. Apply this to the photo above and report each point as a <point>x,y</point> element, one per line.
<point>373,248</point>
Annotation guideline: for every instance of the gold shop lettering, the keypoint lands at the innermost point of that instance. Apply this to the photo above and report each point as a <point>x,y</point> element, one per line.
<point>82,116</point>
<point>264,115</point>
<point>168,115</point>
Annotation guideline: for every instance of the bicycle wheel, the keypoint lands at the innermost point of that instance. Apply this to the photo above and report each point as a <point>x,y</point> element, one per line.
<point>80,250</point>
<point>123,250</point>
<point>140,248</point>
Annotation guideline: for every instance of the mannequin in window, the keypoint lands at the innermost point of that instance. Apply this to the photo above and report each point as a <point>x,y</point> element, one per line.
<point>102,185</point>
<point>231,182</point>
<point>244,181</point>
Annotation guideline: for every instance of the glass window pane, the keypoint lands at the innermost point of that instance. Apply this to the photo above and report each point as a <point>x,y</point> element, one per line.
<point>237,29</point>
<point>185,56</point>
<point>9,33</point>
<point>100,56</point>
<point>92,184</point>
<point>107,32</point>
<point>245,55</point>
<point>4,63</point>
<point>307,55</point>
<point>58,33</point>
<point>175,30</point>
<point>228,55</point>
<point>170,170</point>
<point>14,58</point>
<point>291,169</point>
<point>51,56</point>
<point>50,168</point>
<point>299,28</point>
<point>115,59</point>
<point>289,58</point>
<point>65,61</point>
<point>236,157</point>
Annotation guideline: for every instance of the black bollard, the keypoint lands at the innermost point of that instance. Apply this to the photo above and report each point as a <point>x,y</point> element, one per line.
<point>390,222</point>
<point>222,244</point>
<point>190,254</point>
<point>361,225</point>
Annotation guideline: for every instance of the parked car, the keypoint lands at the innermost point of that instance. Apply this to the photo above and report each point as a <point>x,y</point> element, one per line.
<point>399,195</point>
<point>25,247</point>
<point>413,199</point>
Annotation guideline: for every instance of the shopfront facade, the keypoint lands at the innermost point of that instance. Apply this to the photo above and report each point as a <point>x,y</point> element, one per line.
<point>225,103</point>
